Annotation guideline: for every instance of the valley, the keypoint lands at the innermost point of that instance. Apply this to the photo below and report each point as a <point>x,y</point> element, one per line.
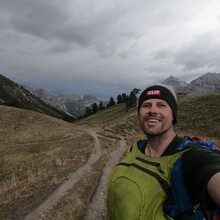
<point>52,169</point>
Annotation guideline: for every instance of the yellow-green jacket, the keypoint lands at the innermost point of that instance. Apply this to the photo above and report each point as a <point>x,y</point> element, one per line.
<point>138,186</point>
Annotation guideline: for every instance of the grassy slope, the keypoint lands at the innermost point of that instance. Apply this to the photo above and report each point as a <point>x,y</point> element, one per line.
<point>37,152</point>
<point>200,116</point>
<point>197,116</point>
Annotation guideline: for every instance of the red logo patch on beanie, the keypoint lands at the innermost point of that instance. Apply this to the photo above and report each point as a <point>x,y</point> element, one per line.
<point>153,92</point>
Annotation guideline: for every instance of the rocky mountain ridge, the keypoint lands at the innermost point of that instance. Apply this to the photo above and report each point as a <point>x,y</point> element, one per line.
<point>178,85</point>
<point>70,103</point>
<point>74,106</point>
<point>16,95</point>
<point>205,84</point>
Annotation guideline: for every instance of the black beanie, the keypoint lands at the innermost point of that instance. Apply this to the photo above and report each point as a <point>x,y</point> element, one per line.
<point>160,91</point>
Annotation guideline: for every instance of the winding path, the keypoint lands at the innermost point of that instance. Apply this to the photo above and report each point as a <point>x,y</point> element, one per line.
<point>97,207</point>
<point>68,184</point>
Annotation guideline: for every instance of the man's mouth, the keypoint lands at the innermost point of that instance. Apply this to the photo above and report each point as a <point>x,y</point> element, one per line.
<point>153,120</point>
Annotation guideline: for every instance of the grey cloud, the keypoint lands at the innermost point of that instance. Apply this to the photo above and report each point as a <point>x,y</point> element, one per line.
<point>162,54</point>
<point>163,17</point>
<point>200,53</point>
<point>203,51</point>
<point>51,20</point>
<point>60,47</point>
<point>38,18</point>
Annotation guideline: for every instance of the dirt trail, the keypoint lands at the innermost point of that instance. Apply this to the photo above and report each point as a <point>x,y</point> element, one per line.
<point>68,184</point>
<point>97,208</point>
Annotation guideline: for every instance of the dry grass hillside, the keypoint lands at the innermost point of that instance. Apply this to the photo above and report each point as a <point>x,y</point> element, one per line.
<point>39,153</point>
<point>36,154</point>
<point>199,116</point>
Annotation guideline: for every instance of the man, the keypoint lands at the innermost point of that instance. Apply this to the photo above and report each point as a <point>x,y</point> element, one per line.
<point>138,186</point>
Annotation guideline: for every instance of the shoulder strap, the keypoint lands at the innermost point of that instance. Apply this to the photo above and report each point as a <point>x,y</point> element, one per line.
<point>142,145</point>
<point>182,204</point>
<point>201,142</point>
<point>183,144</point>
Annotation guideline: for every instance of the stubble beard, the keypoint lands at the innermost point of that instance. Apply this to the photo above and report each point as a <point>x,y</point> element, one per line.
<point>155,132</point>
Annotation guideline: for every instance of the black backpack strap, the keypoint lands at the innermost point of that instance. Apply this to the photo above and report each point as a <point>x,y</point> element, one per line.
<point>142,145</point>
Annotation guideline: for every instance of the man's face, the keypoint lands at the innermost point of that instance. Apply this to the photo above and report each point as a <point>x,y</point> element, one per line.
<point>155,117</point>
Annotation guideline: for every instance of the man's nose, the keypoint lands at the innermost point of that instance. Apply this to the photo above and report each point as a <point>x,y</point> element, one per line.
<point>153,108</point>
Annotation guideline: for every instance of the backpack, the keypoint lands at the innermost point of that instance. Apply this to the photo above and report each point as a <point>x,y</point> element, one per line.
<point>181,205</point>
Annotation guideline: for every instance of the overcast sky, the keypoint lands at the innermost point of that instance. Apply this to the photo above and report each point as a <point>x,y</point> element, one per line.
<point>107,47</point>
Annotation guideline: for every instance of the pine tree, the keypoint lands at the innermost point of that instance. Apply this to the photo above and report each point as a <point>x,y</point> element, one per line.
<point>100,106</point>
<point>111,102</point>
<point>95,108</point>
<point>119,99</point>
<point>124,97</point>
<point>132,98</point>
<point>88,111</point>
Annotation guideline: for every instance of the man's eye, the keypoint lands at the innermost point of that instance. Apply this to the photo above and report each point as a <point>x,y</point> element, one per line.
<point>145,106</point>
<point>162,105</point>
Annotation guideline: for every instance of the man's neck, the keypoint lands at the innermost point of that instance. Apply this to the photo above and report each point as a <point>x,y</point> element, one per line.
<point>158,144</point>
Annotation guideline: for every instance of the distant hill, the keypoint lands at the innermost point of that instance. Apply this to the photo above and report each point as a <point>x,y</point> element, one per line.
<point>205,84</point>
<point>13,94</point>
<point>69,103</point>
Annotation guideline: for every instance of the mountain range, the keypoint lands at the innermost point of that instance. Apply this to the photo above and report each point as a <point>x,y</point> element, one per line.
<point>13,94</point>
<point>70,106</point>
<point>205,84</point>
<point>69,103</point>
